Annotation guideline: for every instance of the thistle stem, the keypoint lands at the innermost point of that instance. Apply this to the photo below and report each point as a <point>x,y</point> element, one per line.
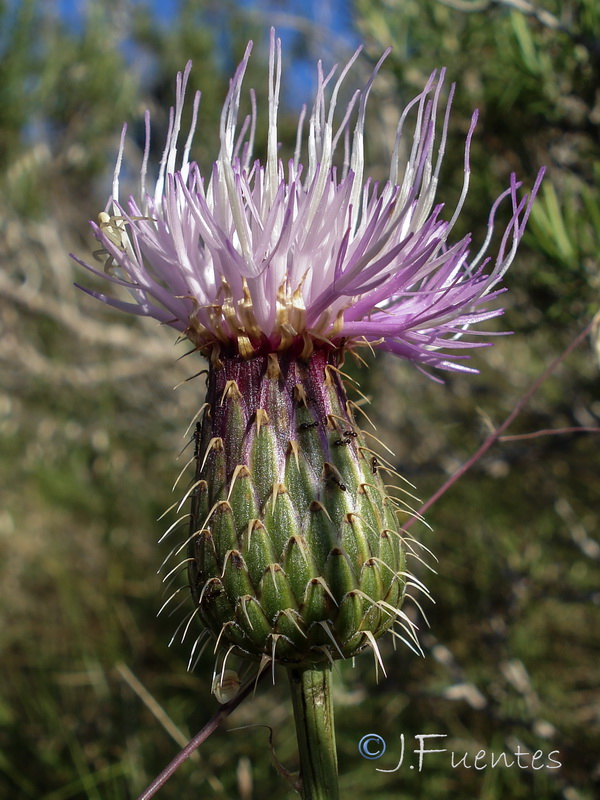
<point>313,714</point>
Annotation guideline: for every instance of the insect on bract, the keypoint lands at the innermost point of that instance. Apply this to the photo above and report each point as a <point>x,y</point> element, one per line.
<point>226,685</point>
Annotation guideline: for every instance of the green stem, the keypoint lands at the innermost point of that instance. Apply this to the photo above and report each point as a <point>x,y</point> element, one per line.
<point>313,714</point>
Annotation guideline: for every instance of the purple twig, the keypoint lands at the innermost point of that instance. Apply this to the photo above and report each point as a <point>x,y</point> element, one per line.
<point>501,428</point>
<point>200,737</point>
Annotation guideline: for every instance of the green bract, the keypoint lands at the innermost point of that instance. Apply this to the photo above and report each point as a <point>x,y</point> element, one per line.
<point>295,551</point>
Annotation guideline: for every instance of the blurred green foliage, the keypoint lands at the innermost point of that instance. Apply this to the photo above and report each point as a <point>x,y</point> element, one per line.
<point>90,427</point>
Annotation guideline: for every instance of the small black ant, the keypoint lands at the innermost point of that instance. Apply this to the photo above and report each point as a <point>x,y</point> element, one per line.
<point>305,426</point>
<point>353,434</point>
<point>197,435</point>
<point>331,474</point>
<point>340,442</point>
<point>374,465</point>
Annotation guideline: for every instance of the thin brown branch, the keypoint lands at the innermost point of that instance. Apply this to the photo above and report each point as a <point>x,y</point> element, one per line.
<point>498,432</point>
<point>547,432</point>
<point>202,735</point>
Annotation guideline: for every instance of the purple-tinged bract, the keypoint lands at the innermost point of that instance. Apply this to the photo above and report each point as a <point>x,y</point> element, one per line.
<point>261,257</point>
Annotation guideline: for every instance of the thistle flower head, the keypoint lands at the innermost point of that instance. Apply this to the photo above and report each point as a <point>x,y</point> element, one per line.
<point>295,551</point>
<point>258,257</point>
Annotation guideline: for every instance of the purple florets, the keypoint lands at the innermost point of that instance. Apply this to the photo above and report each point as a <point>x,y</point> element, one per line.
<point>264,256</point>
